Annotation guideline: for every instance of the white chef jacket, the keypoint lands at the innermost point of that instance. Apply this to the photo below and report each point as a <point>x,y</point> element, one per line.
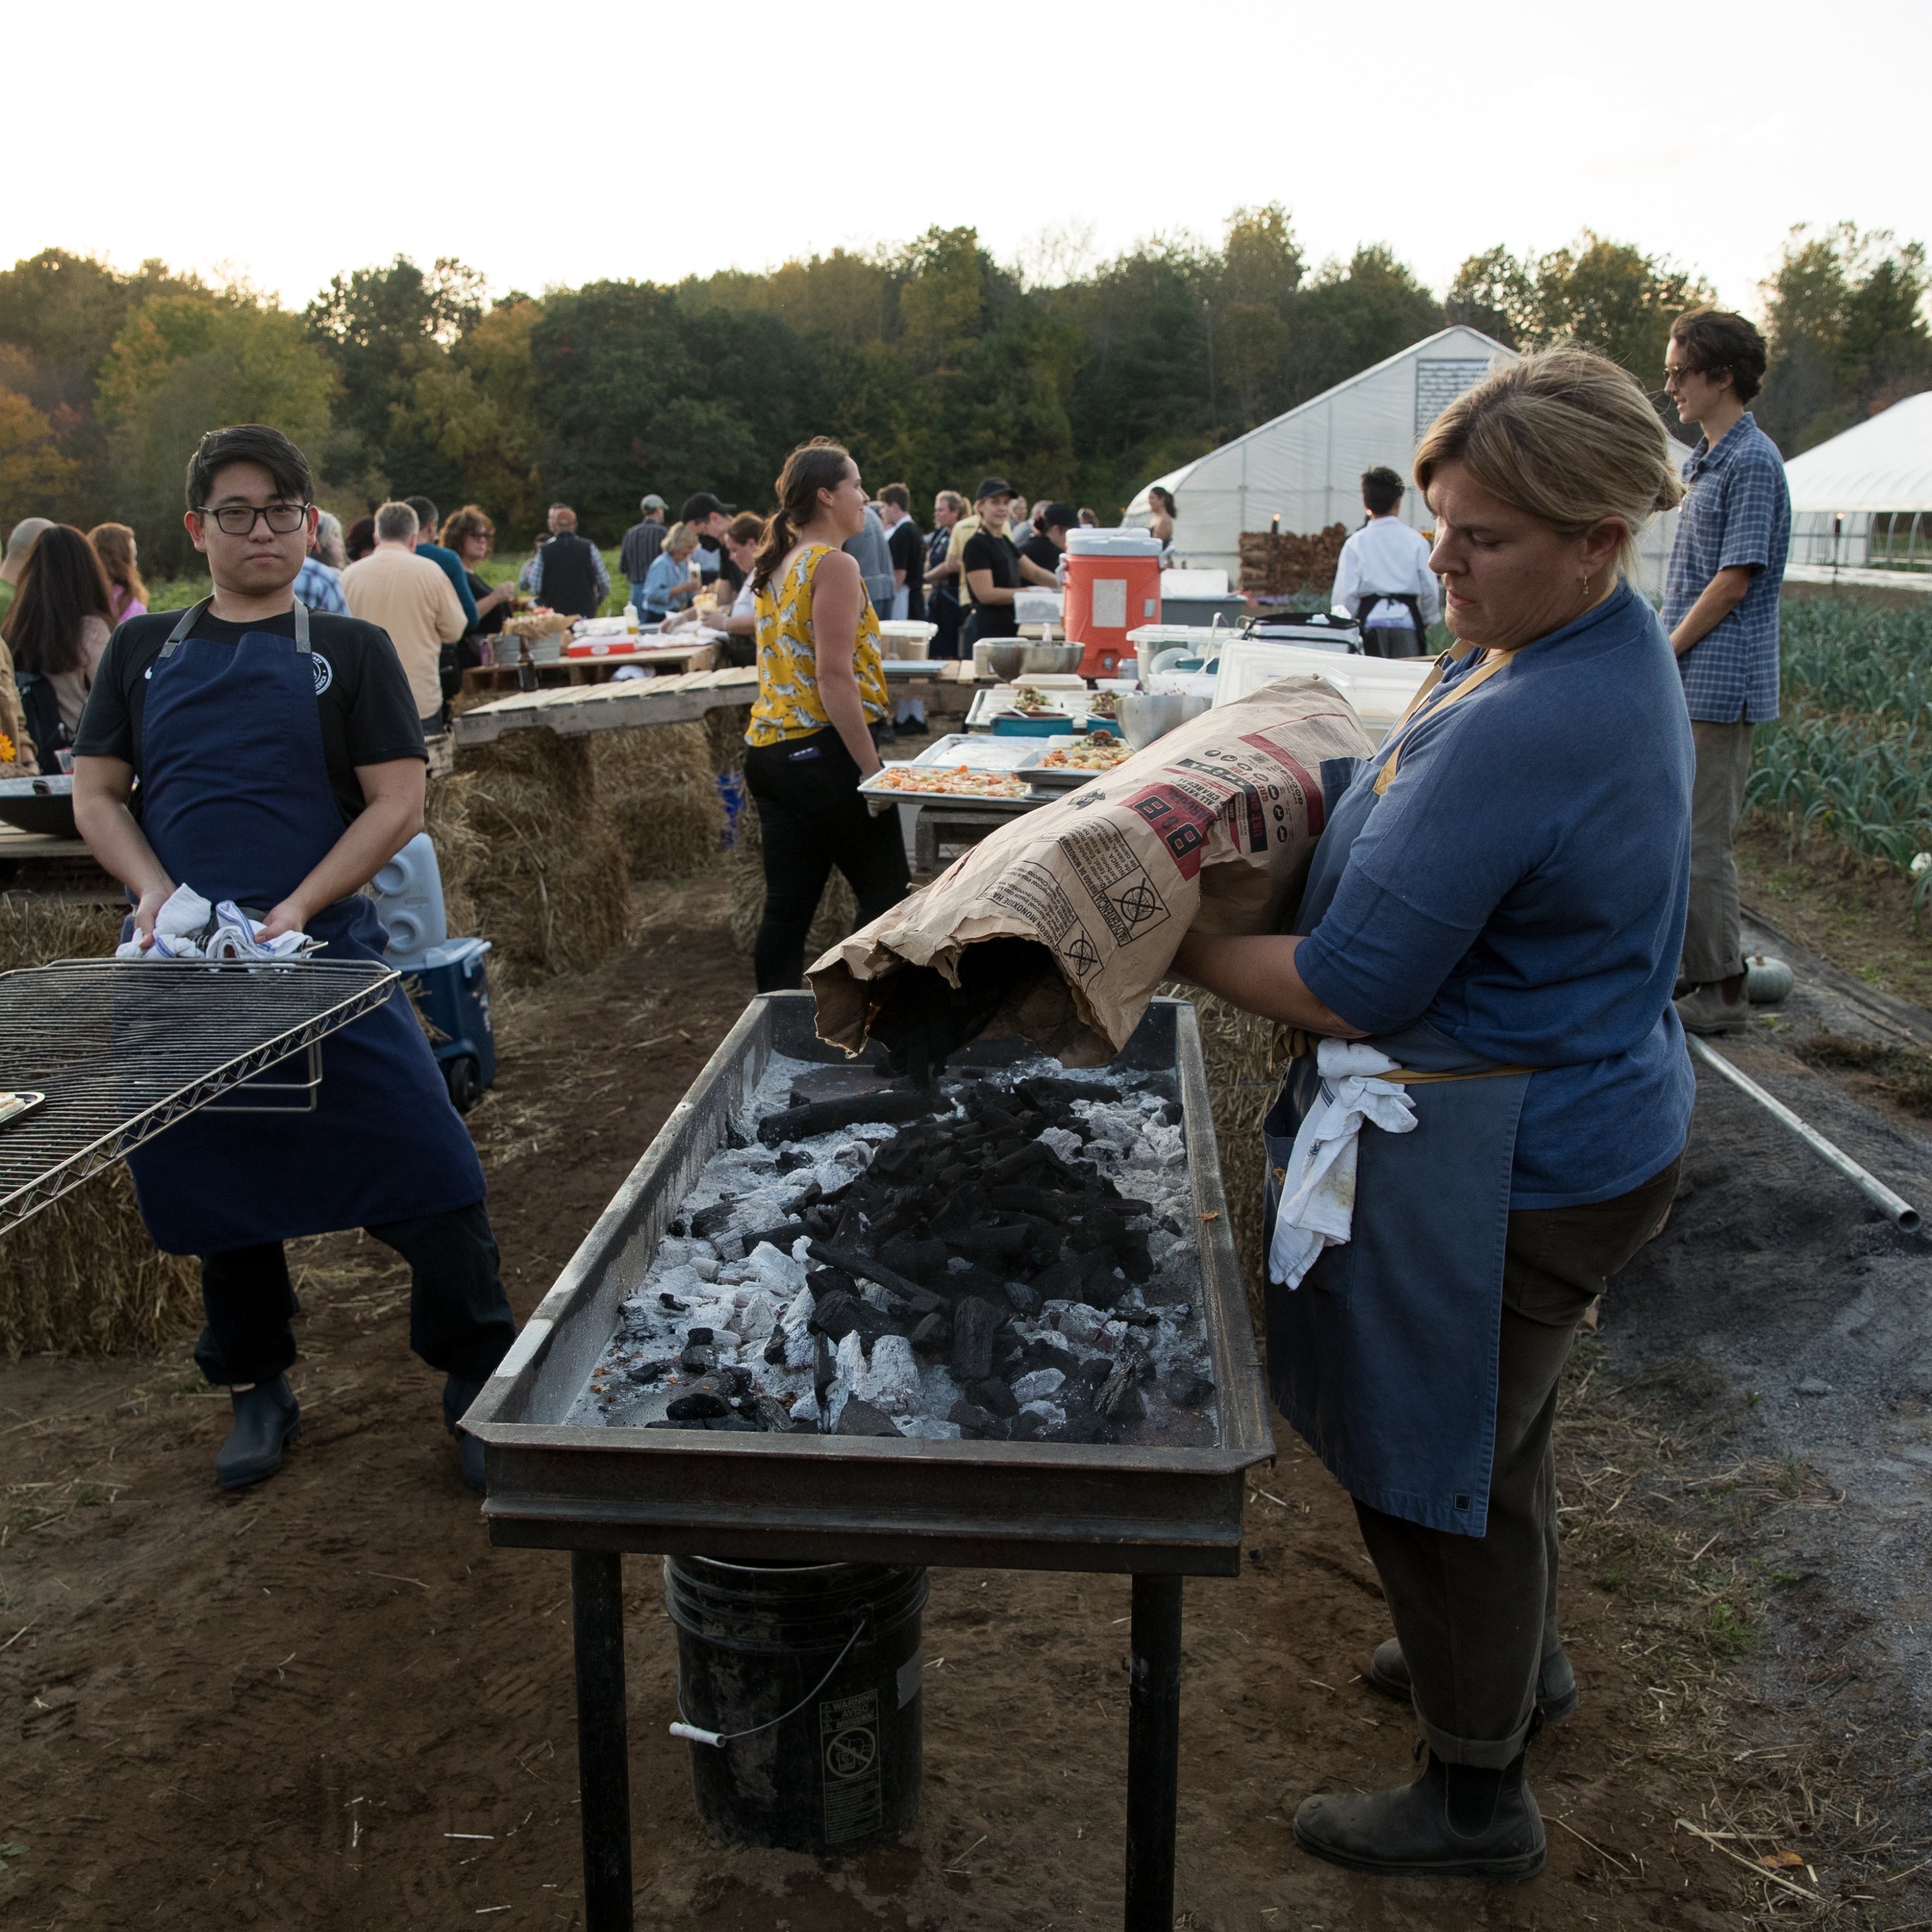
<point>1385,555</point>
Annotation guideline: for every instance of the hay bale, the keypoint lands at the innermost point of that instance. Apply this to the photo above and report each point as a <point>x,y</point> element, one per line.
<point>82,1276</point>
<point>462,852</point>
<point>552,891</point>
<point>658,787</point>
<point>838,910</point>
<point>725,729</point>
<point>1246,1061</point>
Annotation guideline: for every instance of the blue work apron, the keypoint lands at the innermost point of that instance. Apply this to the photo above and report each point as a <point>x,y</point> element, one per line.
<point>236,802</point>
<point>1385,1359</point>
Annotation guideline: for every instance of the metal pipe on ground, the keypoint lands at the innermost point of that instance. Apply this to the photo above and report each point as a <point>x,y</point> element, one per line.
<point>1899,1212</point>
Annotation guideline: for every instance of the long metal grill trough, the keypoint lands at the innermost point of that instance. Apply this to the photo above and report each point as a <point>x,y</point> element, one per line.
<point>123,1049</point>
<point>1159,1514</point>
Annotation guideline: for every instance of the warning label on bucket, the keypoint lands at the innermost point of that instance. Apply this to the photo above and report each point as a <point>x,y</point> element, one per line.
<point>848,1735</point>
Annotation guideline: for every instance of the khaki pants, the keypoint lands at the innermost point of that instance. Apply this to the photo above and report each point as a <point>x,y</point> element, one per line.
<point>1713,943</point>
<point>1477,1615</point>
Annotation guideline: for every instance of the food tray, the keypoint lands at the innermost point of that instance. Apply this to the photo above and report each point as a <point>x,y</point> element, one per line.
<point>979,749</point>
<point>871,787</point>
<point>1057,778</point>
<point>992,711</point>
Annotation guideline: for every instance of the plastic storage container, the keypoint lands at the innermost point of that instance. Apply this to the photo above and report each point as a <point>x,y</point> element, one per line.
<point>408,892</point>
<point>1113,586</point>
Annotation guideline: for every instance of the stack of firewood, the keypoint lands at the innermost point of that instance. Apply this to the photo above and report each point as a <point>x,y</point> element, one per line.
<point>1279,563</point>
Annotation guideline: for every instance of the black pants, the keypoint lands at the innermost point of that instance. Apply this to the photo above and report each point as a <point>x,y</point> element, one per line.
<point>1391,641</point>
<point>460,1318</point>
<point>812,818</point>
<point>1476,1616</point>
<point>942,607</point>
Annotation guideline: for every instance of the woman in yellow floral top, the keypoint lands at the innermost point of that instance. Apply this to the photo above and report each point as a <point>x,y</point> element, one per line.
<point>821,694</point>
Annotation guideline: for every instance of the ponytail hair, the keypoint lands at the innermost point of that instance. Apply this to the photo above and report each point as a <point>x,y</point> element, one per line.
<point>812,466</point>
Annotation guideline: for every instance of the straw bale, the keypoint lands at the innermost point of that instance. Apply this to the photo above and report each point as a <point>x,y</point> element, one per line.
<point>82,1276</point>
<point>552,892</point>
<point>837,912</point>
<point>726,728</point>
<point>1246,1061</point>
<point>658,786</point>
<point>462,852</point>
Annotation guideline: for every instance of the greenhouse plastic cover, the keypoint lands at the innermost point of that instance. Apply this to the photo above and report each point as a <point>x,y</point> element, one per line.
<point>1305,466</point>
<point>1884,463</point>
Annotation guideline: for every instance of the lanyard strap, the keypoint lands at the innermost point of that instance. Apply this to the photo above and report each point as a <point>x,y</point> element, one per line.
<point>1417,711</point>
<point>191,617</point>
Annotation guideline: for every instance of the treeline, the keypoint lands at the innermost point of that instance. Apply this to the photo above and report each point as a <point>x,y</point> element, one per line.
<point>934,362</point>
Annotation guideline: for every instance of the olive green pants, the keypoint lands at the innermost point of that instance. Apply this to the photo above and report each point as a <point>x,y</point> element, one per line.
<point>1477,1615</point>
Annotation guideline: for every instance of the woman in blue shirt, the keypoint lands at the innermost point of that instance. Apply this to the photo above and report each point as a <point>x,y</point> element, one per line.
<point>1497,906</point>
<point>669,582</point>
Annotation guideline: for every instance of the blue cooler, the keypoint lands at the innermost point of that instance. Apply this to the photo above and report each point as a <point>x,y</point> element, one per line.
<point>444,976</point>
<point>451,992</point>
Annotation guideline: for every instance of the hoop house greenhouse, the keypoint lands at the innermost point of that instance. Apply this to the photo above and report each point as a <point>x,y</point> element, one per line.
<point>1305,467</point>
<point>1863,501</point>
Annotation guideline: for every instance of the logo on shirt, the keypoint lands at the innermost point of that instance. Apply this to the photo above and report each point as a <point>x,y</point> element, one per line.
<point>324,675</point>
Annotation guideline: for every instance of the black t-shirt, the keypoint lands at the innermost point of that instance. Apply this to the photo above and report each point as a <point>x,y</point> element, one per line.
<point>491,622</point>
<point>729,571</point>
<point>1041,549</point>
<point>984,551</point>
<point>908,549</point>
<point>364,705</point>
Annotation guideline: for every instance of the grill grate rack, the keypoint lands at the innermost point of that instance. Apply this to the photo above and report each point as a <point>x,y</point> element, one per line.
<point>123,1049</point>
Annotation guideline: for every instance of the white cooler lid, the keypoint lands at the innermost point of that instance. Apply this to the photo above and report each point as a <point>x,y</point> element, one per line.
<point>1112,543</point>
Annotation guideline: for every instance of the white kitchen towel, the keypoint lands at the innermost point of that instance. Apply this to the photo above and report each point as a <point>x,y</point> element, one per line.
<point>187,927</point>
<point>1318,1194</point>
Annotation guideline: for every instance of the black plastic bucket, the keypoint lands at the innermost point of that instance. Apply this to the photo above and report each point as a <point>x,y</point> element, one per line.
<point>820,1664</point>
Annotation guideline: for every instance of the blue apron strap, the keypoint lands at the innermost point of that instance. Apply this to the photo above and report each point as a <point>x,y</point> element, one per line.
<point>189,619</point>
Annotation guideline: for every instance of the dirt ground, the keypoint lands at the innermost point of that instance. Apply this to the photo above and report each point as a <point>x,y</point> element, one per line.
<point>328,1702</point>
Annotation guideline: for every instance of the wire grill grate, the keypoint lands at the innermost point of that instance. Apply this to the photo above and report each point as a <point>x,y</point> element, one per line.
<point>123,1049</point>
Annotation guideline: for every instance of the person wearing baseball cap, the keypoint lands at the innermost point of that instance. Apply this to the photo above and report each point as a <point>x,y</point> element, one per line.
<point>710,518</point>
<point>642,542</point>
<point>1047,544</point>
<point>993,570</point>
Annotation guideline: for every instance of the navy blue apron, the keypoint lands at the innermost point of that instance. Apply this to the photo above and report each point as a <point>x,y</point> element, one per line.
<point>1384,1359</point>
<point>236,802</point>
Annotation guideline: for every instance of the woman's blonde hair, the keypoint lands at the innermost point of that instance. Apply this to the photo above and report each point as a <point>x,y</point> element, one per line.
<point>680,540</point>
<point>1565,436</point>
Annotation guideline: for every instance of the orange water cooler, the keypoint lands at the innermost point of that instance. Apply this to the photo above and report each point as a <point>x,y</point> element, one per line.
<point>1113,586</point>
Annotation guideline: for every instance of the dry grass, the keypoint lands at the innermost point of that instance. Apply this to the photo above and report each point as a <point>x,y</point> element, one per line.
<point>552,890</point>
<point>659,791</point>
<point>461,851</point>
<point>838,910</point>
<point>82,1276</point>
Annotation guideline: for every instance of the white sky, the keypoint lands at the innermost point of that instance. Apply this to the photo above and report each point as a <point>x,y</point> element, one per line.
<point>559,145</point>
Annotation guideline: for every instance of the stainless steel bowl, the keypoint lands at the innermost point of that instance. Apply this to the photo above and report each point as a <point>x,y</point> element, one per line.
<point>1145,716</point>
<point>1015,657</point>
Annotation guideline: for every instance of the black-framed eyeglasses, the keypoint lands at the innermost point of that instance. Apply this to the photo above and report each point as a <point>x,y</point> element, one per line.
<point>238,519</point>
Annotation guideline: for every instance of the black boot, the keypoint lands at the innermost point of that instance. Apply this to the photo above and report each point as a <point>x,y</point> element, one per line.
<point>1556,1694</point>
<point>267,1419</point>
<point>1455,1821</point>
<point>457,1395</point>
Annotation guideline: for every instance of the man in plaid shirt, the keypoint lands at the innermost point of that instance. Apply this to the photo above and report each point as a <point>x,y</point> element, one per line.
<point>1720,608</point>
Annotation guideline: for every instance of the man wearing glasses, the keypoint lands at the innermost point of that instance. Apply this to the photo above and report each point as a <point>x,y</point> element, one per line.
<point>281,763</point>
<point>1720,609</point>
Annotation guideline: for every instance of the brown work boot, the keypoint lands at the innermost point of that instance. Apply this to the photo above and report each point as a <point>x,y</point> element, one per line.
<point>1455,1821</point>
<point>1718,1005</point>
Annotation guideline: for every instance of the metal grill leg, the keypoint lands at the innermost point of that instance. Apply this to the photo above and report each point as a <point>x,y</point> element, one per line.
<point>603,1748</point>
<point>1153,1752</point>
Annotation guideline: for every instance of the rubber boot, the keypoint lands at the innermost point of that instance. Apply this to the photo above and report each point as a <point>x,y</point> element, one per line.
<point>267,1419</point>
<point>1455,1821</point>
<point>1556,1694</point>
<point>457,1395</point>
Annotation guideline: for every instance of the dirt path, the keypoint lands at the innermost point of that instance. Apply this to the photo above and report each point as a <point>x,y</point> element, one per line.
<point>329,1703</point>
